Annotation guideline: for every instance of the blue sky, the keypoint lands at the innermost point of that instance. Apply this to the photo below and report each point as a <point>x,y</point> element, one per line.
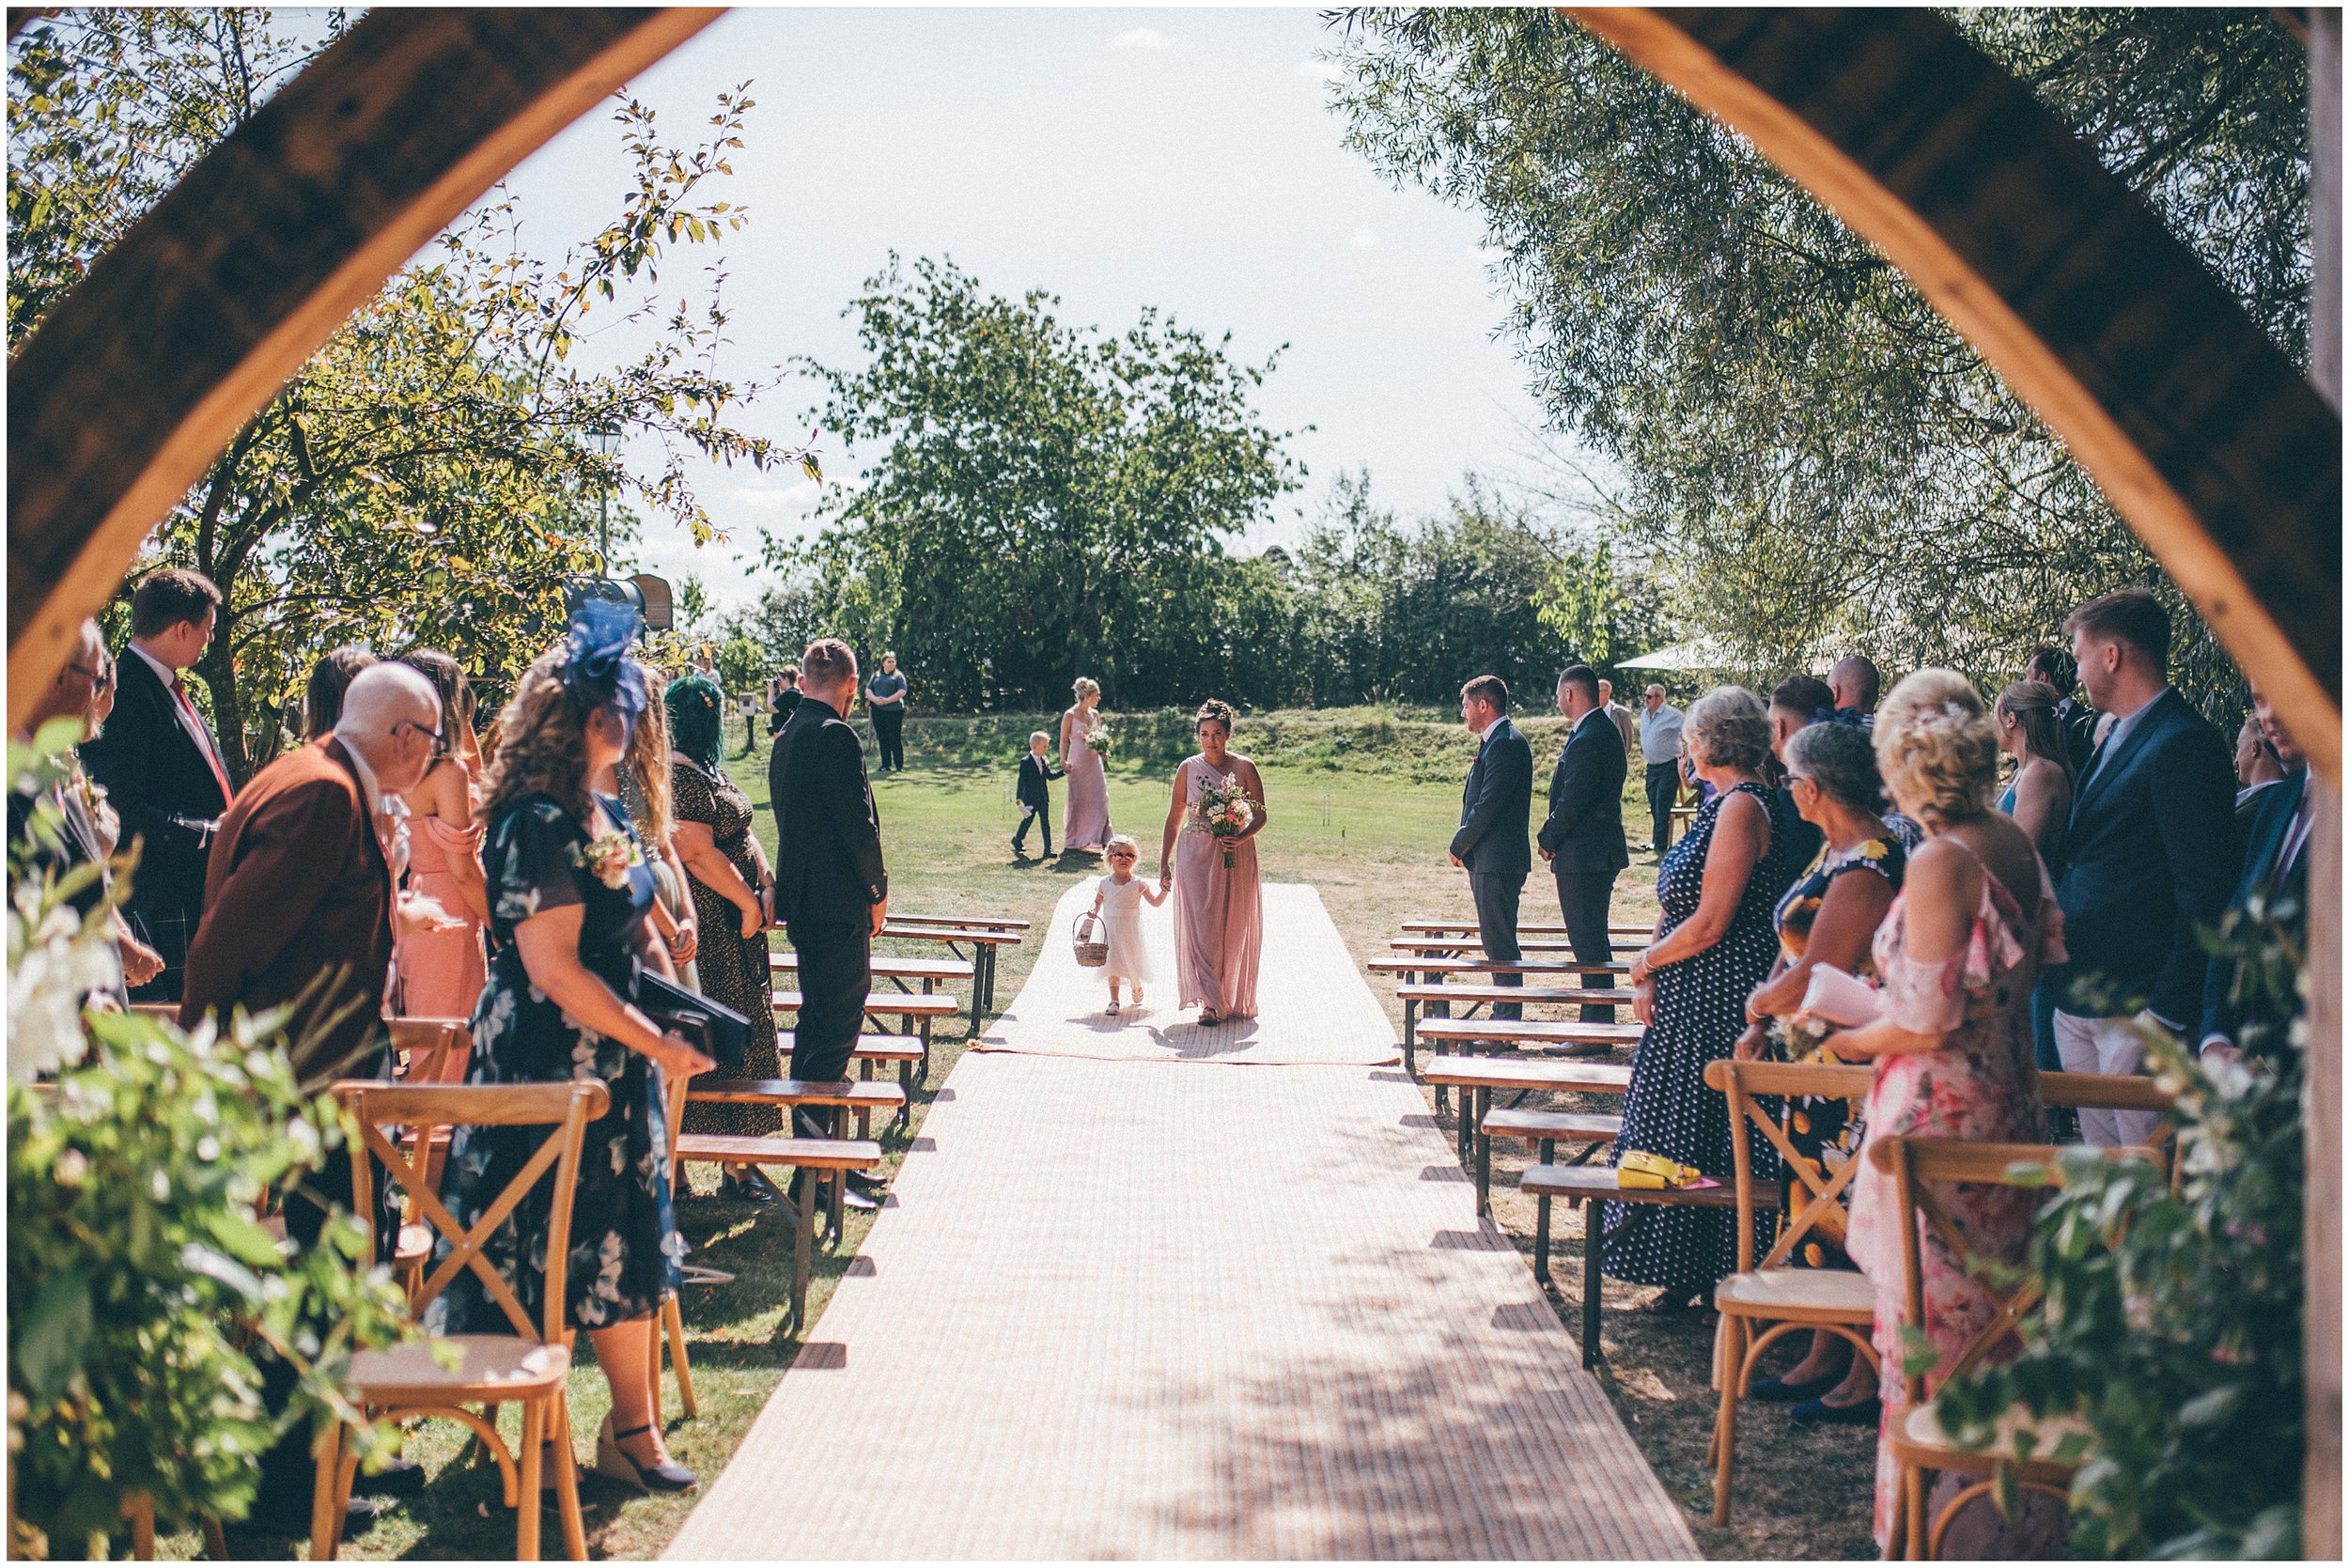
<point>1184,158</point>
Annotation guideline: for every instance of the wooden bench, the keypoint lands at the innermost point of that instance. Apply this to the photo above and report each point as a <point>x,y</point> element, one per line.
<point>1438,1000</point>
<point>824,1159</point>
<point>1590,1130</point>
<point>983,936</point>
<point>864,1097</point>
<point>1411,969</point>
<point>1461,946</point>
<point>918,1013</point>
<point>902,973</point>
<point>1479,1076</point>
<point>1587,1185</point>
<point>1525,928</point>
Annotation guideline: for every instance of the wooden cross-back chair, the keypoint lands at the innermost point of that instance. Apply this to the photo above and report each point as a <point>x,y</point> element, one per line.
<point>2040,1454</point>
<point>528,1367</point>
<point>1766,1300</point>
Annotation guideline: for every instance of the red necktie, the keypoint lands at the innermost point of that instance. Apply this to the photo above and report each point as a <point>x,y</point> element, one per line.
<point>211,759</point>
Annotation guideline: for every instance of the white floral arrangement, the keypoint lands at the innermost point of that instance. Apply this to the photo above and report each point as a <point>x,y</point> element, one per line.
<point>610,857</point>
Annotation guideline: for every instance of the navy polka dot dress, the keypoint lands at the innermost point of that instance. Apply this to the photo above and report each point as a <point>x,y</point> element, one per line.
<point>1700,1012</point>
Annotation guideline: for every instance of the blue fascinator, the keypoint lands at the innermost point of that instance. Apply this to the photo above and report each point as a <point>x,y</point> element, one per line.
<point>596,667</point>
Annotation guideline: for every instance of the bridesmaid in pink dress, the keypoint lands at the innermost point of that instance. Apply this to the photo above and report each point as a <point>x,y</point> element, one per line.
<point>440,974</point>
<point>1219,909</point>
<point>1084,822</point>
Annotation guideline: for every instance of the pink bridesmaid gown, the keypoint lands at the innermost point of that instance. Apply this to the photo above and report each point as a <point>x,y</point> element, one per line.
<point>1218,913</point>
<point>441,974</point>
<point>1084,822</point>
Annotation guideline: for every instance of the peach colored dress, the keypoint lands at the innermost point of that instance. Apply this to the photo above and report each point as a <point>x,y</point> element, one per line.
<point>1219,911</point>
<point>441,974</point>
<point>1084,819</point>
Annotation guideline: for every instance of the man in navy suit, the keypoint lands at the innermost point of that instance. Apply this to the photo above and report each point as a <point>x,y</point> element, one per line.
<point>1494,808</point>
<point>2276,873</point>
<point>2149,857</point>
<point>1582,836</point>
<point>161,769</point>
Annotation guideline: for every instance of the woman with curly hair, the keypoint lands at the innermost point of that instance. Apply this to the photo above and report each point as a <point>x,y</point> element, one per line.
<point>1714,943</point>
<point>733,891</point>
<point>1218,903</point>
<point>570,887</point>
<point>1957,955</point>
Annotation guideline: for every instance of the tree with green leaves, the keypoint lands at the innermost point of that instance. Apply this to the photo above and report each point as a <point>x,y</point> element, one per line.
<point>1048,501</point>
<point>1807,452</point>
<point>434,473</point>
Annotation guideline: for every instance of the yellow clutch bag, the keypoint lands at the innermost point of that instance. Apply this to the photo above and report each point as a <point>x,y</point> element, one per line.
<point>1639,1168</point>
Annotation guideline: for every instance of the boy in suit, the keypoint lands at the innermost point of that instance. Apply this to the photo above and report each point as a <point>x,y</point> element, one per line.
<point>1494,807</point>
<point>2148,858</point>
<point>1582,836</point>
<point>161,767</point>
<point>1035,793</point>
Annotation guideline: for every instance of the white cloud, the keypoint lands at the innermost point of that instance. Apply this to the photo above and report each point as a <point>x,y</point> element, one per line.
<point>1364,239</point>
<point>799,496</point>
<point>1322,70</point>
<point>1140,38</point>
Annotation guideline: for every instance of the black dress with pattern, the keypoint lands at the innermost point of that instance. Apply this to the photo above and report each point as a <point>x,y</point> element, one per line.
<point>625,1248</point>
<point>1700,1012</point>
<point>734,972</point>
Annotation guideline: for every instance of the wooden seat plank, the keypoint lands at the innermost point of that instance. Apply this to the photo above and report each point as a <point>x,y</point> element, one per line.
<point>911,1005</point>
<point>1593,996</point>
<point>812,1154</point>
<point>889,966</point>
<point>1486,1072</point>
<point>1491,966</point>
<point>1525,928</point>
<point>1529,1031</point>
<point>865,1096</point>
<point>1552,1127</point>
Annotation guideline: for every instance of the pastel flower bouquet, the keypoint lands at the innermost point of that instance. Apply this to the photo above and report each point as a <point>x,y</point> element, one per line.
<point>610,857</point>
<point>1227,811</point>
<point>1101,742</point>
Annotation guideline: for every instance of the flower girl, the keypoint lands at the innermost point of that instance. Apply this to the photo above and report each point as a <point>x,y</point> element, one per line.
<point>1117,900</point>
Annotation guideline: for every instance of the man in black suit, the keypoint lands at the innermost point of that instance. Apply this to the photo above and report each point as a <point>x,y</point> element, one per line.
<point>1034,794</point>
<point>2148,857</point>
<point>1582,836</point>
<point>161,767</point>
<point>831,886</point>
<point>1494,807</point>
<point>2274,874</point>
<point>783,698</point>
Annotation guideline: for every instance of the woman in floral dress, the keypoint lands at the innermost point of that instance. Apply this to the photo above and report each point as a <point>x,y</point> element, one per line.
<point>1713,945</point>
<point>1829,917</point>
<point>1975,922</point>
<point>568,892</point>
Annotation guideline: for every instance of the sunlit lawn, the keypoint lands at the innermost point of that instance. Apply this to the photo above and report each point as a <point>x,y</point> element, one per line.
<point>1375,847</point>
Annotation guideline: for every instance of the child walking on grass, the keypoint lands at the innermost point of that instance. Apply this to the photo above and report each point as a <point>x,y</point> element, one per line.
<point>1117,900</point>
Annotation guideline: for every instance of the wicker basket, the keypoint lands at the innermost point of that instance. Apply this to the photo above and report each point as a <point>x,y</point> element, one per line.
<point>1085,937</point>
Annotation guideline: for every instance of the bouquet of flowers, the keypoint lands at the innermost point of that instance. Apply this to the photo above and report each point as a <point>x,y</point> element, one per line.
<point>1102,742</point>
<point>610,857</point>
<point>1227,811</point>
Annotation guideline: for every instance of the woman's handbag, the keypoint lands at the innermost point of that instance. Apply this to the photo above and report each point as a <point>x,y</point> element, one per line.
<point>1092,948</point>
<point>1653,1172</point>
<point>716,1030</point>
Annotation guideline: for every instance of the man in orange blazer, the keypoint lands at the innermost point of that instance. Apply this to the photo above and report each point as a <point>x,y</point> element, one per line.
<point>299,893</point>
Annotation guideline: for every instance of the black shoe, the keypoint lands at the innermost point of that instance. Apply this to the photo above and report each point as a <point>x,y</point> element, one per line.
<point>284,1518</point>
<point>1777,1390</point>
<point>866,1183</point>
<point>751,1186</point>
<point>1818,1412</point>
<point>401,1478</point>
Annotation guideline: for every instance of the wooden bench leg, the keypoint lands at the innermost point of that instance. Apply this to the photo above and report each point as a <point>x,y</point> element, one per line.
<point>1483,1155</point>
<point>1541,1222</point>
<point>1594,1244</point>
<point>1410,1039</point>
<point>802,1245</point>
<point>839,1208</point>
<point>672,1321</point>
<point>905,1106</point>
<point>925,1032</point>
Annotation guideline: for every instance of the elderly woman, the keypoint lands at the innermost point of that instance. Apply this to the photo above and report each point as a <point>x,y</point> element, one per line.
<point>1829,916</point>
<point>570,887</point>
<point>1957,955</point>
<point>1713,945</point>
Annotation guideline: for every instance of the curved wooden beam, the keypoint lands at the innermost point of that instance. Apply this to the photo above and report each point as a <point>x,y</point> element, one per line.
<point>2204,436</point>
<point>188,326</point>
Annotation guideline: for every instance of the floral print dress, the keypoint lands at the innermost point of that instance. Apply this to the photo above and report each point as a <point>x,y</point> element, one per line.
<point>734,970</point>
<point>1982,1083</point>
<point>625,1248</point>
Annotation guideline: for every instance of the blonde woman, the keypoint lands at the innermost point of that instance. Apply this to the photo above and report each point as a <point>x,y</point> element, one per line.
<point>2039,798</point>
<point>570,887</point>
<point>1084,823</point>
<point>1956,956</point>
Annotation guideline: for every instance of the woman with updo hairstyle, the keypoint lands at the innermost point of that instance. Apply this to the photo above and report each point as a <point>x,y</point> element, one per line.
<point>1084,818</point>
<point>439,973</point>
<point>1219,898</point>
<point>1956,956</point>
<point>2039,798</point>
<point>1829,917</point>
<point>1713,945</point>
<point>570,887</point>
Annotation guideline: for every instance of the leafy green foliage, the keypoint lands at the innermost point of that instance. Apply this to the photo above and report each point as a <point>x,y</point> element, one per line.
<point>2174,1321</point>
<point>141,1283</point>
<point>1050,500</point>
<point>1808,452</point>
<point>434,474</point>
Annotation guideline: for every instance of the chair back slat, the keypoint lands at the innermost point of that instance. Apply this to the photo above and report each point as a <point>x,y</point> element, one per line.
<point>1822,1193</point>
<point>420,1110</point>
<point>426,1047</point>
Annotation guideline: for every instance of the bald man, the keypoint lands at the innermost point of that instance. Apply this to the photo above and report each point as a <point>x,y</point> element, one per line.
<point>1855,686</point>
<point>301,881</point>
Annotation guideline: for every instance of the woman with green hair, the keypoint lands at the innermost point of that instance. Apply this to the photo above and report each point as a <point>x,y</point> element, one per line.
<point>734,898</point>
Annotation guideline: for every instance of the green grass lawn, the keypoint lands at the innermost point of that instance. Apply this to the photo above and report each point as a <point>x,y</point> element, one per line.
<point>1362,806</point>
